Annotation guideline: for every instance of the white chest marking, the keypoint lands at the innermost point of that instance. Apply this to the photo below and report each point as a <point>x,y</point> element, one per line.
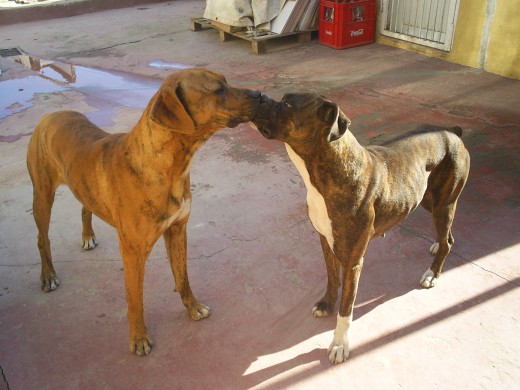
<point>316,204</point>
<point>182,212</point>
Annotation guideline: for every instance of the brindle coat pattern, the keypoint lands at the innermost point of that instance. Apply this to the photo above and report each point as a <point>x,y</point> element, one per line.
<point>366,191</point>
<point>138,182</point>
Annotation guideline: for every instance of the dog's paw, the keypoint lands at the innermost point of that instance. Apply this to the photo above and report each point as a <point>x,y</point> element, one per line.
<point>428,279</point>
<point>338,352</point>
<point>321,309</point>
<point>199,311</point>
<point>89,243</point>
<point>141,346</point>
<point>434,248</point>
<point>338,349</point>
<point>50,283</point>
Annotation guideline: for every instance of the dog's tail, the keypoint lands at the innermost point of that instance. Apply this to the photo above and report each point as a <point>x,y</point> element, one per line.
<point>455,130</point>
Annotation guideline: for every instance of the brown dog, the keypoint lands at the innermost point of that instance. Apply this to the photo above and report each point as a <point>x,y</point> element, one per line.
<point>138,182</point>
<point>355,194</point>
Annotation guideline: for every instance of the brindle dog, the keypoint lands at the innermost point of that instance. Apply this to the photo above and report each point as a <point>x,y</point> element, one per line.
<point>355,193</point>
<point>138,182</point>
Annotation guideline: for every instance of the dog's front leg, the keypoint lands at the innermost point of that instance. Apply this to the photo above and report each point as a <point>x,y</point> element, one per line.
<point>339,348</point>
<point>175,238</point>
<point>326,305</point>
<point>134,257</point>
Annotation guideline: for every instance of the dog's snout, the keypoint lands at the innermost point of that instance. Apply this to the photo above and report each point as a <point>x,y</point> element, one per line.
<point>255,94</point>
<point>267,100</point>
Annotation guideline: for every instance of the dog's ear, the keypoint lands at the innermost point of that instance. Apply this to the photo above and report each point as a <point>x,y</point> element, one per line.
<point>330,113</point>
<point>170,112</point>
<point>342,125</point>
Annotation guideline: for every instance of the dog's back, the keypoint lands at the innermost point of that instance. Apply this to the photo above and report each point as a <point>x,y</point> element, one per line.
<point>424,129</point>
<point>431,144</point>
<point>64,127</point>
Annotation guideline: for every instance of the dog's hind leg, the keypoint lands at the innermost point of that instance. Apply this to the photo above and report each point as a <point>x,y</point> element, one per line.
<point>427,203</point>
<point>326,305</point>
<point>88,237</point>
<point>435,246</point>
<point>43,199</point>
<point>443,219</point>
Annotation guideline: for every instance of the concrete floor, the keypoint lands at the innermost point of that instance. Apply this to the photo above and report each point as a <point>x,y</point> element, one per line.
<point>253,255</point>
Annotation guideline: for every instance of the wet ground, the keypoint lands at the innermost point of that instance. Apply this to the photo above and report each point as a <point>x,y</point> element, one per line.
<point>253,255</point>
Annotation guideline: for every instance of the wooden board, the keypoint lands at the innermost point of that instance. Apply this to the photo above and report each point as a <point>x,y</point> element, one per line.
<point>258,39</point>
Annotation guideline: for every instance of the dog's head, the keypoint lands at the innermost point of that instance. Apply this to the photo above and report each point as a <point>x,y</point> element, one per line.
<point>198,102</point>
<point>301,119</point>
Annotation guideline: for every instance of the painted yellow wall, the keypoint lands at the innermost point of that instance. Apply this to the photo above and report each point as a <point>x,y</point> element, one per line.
<point>469,29</point>
<point>502,54</point>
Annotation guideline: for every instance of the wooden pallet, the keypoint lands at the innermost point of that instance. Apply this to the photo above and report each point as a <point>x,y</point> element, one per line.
<point>258,39</point>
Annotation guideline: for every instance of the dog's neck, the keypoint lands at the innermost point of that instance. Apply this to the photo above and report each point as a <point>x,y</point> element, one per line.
<point>161,150</point>
<point>341,161</point>
<point>346,148</point>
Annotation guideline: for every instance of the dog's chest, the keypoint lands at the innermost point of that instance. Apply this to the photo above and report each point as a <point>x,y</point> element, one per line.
<point>180,211</point>
<point>316,203</point>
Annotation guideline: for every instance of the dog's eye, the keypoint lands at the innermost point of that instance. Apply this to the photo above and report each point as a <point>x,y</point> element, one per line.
<point>220,91</point>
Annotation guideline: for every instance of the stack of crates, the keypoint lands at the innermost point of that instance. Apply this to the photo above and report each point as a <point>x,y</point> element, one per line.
<point>347,23</point>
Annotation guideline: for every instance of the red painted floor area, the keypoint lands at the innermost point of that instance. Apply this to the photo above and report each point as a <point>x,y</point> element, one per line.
<point>253,255</point>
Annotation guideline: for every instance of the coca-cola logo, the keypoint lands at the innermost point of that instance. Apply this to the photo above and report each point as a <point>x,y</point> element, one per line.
<point>356,33</point>
<point>328,32</point>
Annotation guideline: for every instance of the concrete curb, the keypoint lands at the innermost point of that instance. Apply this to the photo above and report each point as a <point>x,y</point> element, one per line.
<point>64,9</point>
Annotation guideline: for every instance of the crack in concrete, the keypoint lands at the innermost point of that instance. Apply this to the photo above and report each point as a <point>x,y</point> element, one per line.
<point>245,240</point>
<point>472,262</point>
<point>87,51</point>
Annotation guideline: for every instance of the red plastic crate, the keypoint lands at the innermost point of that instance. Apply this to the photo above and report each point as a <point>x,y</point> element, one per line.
<point>347,23</point>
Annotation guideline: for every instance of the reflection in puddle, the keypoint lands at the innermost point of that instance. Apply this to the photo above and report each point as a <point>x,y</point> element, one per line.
<point>52,70</point>
<point>104,90</point>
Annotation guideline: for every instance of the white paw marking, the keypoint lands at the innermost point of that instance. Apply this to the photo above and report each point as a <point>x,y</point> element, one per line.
<point>54,284</point>
<point>89,243</point>
<point>204,311</point>
<point>316,204</point>
<point>319,313</point>
<point>434,248</point>
<point>199,311</point>
<point>428,279</point>
<point>338,350</point>
<point>51,285</point>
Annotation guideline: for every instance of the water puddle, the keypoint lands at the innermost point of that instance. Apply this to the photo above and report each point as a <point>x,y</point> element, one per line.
<point>104,90</point>
<point>16,95</point>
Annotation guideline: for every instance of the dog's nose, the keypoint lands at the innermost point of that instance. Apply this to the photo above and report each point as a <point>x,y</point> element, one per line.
<point>267,100</point>
<point>255,94</point>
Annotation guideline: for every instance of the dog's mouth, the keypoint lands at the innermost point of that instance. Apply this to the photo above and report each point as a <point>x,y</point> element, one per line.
<point>263,130</point>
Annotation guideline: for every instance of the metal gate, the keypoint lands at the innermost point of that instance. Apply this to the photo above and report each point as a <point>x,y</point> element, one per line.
<point>425,22</point>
